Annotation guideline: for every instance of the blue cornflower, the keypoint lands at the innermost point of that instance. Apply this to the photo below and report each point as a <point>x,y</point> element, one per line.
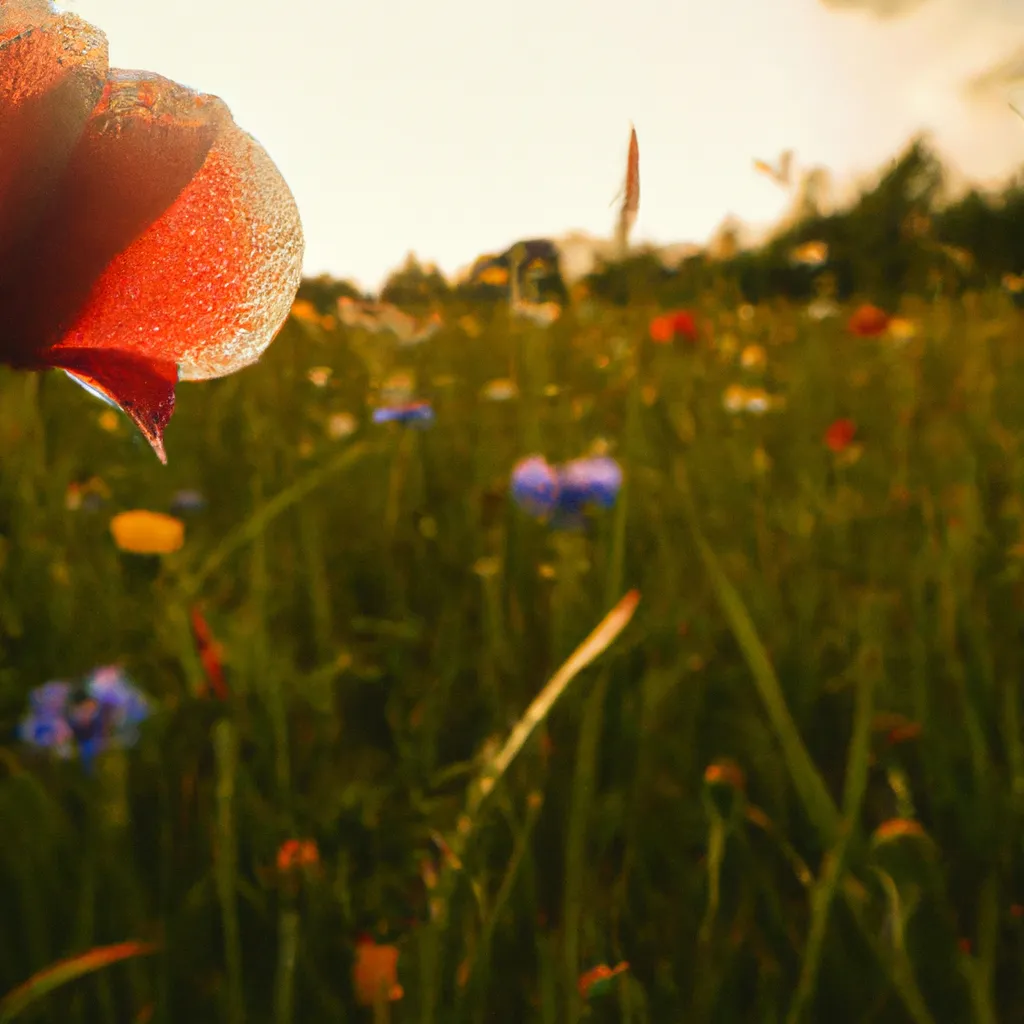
<point>104,709</point>
<point>48,732</point>
<point>593,481</point>
<point>187,500</point>
<point>122,706</point>
<point>50,698</point>
<point>415,413</point>
<point>534,486</point>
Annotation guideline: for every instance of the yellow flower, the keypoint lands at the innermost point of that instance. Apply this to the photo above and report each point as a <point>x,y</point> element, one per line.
<point>500,390</point>
<point>902,329</point>
<point>110,421</point>
<point>728,344</point>
<point>494,276</point>
<point>341,424</point>
<point>757,401</point>
<point>487,566</point>
<point>303,309</point>
<point>734,398</point>
<point>318,376</point>
<point>470,325</point>
<point>147,533</point>
<point>753,357</point>
<point>811,254</point>
<point>541,313</point>
<point>1013,283</point>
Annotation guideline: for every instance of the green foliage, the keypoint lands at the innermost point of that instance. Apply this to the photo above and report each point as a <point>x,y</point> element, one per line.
<point>415,287</point>
<point>324,292</point>
<point>893,240</point>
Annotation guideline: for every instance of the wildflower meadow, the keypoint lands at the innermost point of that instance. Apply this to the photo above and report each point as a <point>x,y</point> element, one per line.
<point>640,644</point>
<point>328,777</point>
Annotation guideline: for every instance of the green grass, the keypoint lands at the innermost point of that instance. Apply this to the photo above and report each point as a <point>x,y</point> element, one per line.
<point>388,616</point>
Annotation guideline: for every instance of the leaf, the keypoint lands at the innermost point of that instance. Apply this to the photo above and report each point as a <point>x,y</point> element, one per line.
<point>595,644</point>
<point>60,973</point>
<point>807,780</point>
<point>631,194</point>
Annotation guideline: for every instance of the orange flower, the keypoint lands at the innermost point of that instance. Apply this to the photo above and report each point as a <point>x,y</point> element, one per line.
<point>375,973</point>
<point>897,828</point>
<point>666,328</point>
<point>725,773</point>
<point>840,435</point>
<point>296,854</point>
<point>144,237</point>
<point>868,321</point>
<point>594,981</point>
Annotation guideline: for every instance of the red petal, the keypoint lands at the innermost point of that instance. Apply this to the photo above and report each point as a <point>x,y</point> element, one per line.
<point>208,656</point>
<point>212,277</point>
<point>135,156</point>
<point>52,70</point>
<point>143,388</point>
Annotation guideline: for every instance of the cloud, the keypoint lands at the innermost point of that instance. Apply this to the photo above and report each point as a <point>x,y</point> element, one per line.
<point>879,8</point>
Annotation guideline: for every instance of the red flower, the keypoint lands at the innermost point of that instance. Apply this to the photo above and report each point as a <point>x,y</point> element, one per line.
<point>295,854</point>
<point>666,328</point>
<point>144,237</point>
<point>594,981</point>
<point>868,321</point>
<point>840,435</point>
<point>375,973</point>
<point>209,654</point>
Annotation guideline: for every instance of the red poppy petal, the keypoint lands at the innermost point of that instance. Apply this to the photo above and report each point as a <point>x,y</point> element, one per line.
<point>143,143</point>
<point>209,282</point>
<point>52,70</point>
<point>142,387</point>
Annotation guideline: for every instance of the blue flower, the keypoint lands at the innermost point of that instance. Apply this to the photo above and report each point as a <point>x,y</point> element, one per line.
<point>122,707</point>
<point>187,501</point>
<point>594,481</point>
<point>104,709</point>
<point>534,486</point>
<point>48,732</point>
<point>50,698</point>
<point>407,412</point>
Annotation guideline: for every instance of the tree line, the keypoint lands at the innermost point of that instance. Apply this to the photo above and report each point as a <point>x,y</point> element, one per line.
<point>903,235</point>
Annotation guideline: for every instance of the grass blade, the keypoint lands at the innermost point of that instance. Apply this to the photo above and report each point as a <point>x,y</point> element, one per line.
<point>42,984</point>
<point>253,527</point>
<point>594,645</point>
<point>809,784</point>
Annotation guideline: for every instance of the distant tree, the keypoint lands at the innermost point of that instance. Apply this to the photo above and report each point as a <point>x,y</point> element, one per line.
<point>990,226</point>
<point>639,278</point>
<point>414,286</point>
<point>868,249</point>
<point>886,261</point>
<point>324,292</point>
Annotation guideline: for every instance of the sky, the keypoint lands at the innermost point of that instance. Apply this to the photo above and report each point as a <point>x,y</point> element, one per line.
<point>454,128</point>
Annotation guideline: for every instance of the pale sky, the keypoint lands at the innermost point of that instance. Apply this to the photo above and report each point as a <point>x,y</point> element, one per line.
<point>455,127</point>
